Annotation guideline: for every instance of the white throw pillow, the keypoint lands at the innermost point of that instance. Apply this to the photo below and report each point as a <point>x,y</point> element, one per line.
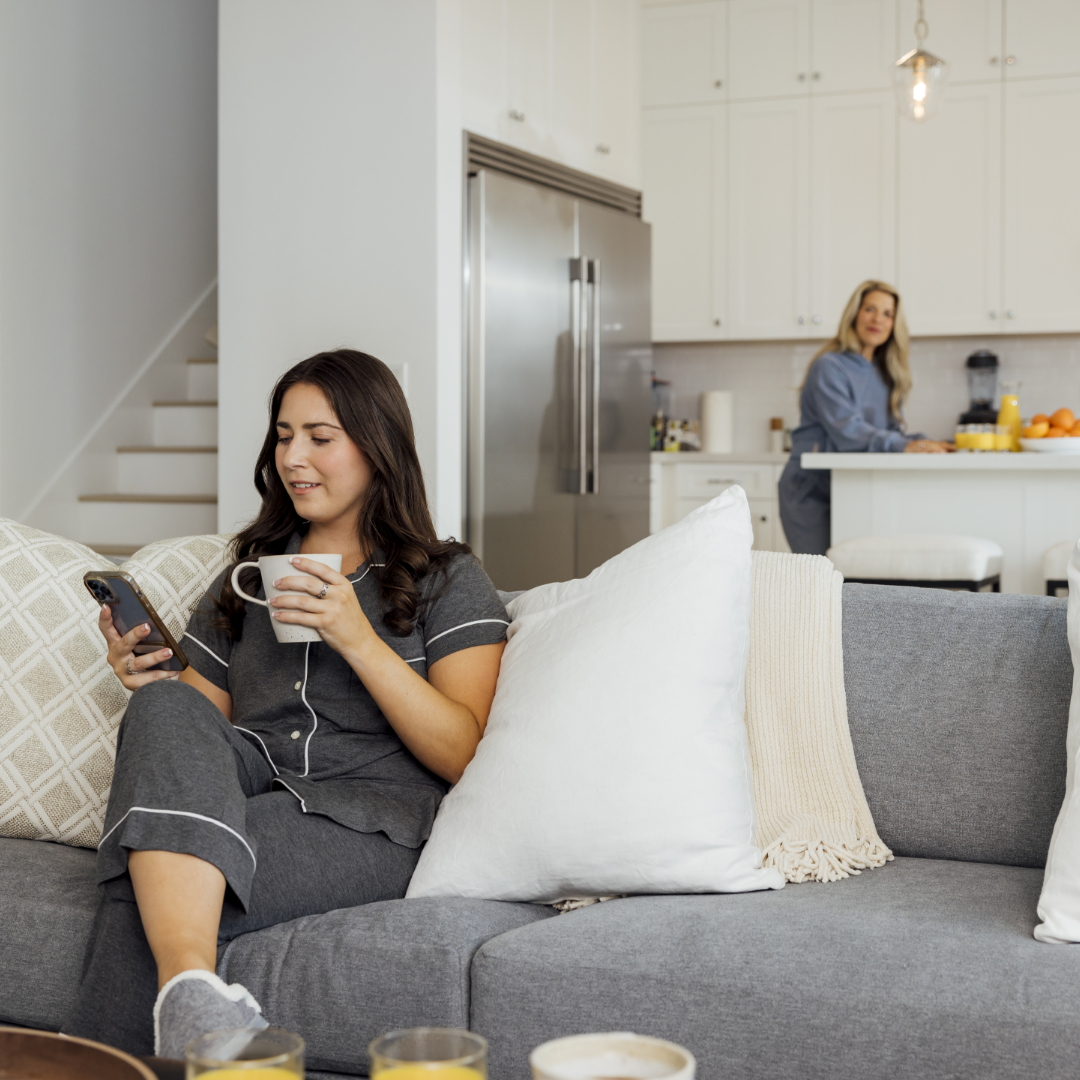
<point>1059,902</point>
<point>615,759</point>
<point>60,703</point>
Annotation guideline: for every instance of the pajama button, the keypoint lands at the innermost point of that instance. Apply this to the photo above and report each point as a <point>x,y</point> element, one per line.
<point>297,686</point>
<point>295,735</point>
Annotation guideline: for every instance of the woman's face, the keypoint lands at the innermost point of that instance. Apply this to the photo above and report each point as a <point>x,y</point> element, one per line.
<point>874,322</point>
<point>323,470</point>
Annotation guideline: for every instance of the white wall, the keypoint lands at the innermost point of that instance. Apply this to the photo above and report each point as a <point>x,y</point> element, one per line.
<point>765,377</point>
<point>107,211</point>
<point>340,204</point>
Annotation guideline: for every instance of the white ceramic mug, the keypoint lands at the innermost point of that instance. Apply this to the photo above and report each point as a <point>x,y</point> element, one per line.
<point>616,1055</point>
<point>273,567</point>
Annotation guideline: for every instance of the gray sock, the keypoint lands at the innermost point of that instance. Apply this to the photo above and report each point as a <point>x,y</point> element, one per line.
<point>195,1003</point>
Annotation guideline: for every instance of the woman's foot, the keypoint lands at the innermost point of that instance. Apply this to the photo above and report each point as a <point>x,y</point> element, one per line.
<point>194,1003</point>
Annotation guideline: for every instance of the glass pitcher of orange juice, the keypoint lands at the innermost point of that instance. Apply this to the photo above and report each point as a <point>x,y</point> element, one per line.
<point>1008,418</point>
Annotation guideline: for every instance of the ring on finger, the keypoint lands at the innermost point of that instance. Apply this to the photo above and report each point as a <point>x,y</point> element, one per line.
<point>130,669</point>
<point>325,589</point>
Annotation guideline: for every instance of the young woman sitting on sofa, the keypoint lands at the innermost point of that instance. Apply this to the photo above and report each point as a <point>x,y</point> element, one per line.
<point>274,780</point>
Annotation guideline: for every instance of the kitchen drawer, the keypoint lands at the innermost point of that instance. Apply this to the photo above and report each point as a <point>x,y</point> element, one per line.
<point>764,518</point>
<point>706,480</point>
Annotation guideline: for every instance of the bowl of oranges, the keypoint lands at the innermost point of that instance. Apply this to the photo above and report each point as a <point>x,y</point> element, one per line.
<point>1058,433</point>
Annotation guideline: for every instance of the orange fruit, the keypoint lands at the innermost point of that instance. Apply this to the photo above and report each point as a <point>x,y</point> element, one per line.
<point>1040,418</point>
<point>1037,430</point>
<point>1064,419</point>
<point>1056,433</point>
<point>1076,429</point>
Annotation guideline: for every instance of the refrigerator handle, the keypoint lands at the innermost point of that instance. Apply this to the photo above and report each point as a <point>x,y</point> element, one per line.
<point>579,322</point>
<point>594,281</point>
<point>579,328</point>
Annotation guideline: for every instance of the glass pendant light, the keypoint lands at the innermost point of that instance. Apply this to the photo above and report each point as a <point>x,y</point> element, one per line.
<point>919,77</point>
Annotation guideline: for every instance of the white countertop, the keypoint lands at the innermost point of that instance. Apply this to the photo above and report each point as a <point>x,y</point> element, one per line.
<point>988,462</point>
<point>675,457</point>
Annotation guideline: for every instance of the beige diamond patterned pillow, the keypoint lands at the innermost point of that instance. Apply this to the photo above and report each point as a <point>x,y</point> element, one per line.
<point>60,704</point>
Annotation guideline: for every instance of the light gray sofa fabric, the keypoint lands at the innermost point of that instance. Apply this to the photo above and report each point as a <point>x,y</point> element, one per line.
<point>958,705</point>
<point>345,977</point>
<point>920,969</point>
<point>47,903</point>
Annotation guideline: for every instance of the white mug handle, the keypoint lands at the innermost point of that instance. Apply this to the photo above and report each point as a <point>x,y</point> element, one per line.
<point>236,584</point>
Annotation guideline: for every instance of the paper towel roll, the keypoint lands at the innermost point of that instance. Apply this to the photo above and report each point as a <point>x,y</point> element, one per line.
<point>717,422</point>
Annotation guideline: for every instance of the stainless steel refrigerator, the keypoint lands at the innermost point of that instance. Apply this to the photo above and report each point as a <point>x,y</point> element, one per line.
<point>560,364</point>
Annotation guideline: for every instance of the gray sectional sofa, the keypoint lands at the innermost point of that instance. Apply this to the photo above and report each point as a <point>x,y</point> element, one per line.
<point>958,705</point>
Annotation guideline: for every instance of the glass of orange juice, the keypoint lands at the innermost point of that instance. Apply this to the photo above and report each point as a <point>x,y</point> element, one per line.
<point>429,1054</point>
<point>246,1054</point>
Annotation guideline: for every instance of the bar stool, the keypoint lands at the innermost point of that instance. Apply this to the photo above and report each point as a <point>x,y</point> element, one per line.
<point>925,560</point>
<point>1056,567</point>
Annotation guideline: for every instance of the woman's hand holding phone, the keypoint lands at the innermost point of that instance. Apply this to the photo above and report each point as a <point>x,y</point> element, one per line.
<point>122,656</point>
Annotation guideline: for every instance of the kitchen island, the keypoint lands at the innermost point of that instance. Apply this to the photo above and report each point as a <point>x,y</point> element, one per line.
<point>1027,502</point>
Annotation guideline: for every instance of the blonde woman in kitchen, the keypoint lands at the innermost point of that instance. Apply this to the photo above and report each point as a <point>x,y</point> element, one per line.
<point>851,401</point>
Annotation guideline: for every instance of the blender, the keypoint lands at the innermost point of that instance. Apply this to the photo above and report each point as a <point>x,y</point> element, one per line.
<point>982,376</point>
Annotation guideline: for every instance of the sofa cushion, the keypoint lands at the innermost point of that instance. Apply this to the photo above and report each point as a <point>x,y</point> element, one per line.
<point>342,978</point>
<point>958,705</point>
<point>921,968</point>
<point>47,904</point>
<point>60,704</point>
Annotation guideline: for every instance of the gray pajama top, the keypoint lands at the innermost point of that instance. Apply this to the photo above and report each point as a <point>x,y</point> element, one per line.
<point>314,720</point>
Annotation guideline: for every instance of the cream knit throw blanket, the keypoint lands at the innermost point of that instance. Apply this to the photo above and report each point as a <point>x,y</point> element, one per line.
<point>813,822</point>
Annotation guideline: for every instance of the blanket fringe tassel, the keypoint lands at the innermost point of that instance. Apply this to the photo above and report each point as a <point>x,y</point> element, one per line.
<point>820,860</point>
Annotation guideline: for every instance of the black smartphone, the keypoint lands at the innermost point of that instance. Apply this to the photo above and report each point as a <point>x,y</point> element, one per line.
<point>130,608</point>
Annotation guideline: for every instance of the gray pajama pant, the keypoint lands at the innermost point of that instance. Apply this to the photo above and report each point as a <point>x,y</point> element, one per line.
<point>187,781</point>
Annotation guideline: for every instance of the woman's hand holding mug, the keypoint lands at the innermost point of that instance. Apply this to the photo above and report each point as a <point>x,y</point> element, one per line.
<point>325,601</point>
<point>129,666</point>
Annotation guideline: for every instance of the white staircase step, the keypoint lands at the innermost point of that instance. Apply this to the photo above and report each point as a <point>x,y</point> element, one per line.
<point>126,519</point>
<point>185,423</point>
<point>202,379</point>
<point>167,470</point>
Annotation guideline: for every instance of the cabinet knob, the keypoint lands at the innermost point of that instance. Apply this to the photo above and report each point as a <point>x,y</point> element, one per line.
<point>816,76</point>
<point>1010,314</point>
<point>993,314</point>
<point>1010,59</point>
<point>993,61</point>
<point>816,319</point>
<point>799,319</point>
<point>718,83</point>
<point>603,148</point>
<point>518,116</point>
<point>801,76</point>
<point>716,322</point>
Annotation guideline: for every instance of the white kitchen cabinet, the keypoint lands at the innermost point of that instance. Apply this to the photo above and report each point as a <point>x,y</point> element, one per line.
<point>1041,256</point>
<point>1042,37</point>
<point>853,200</point>
<point>684,58</point>
<point>767,219</point>
<point>796,47</point>
<point>683,156</point>
<point>852,45</point>
<point>483,67</point>
<point>965,33</point>
<point>616,107</point>
<point>681,483</point>
<point>558,78</point>
<point>770,56</point>
<point>570,124</point>
<point>949,215</point>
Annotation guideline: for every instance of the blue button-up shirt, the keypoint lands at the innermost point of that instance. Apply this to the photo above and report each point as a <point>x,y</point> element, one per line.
<point>844,409</point>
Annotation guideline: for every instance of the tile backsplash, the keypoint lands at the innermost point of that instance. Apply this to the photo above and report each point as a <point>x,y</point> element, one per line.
<point>765,377</point>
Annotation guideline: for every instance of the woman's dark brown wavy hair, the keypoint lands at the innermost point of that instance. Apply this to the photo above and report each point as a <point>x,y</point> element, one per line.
<point>371,407</point>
